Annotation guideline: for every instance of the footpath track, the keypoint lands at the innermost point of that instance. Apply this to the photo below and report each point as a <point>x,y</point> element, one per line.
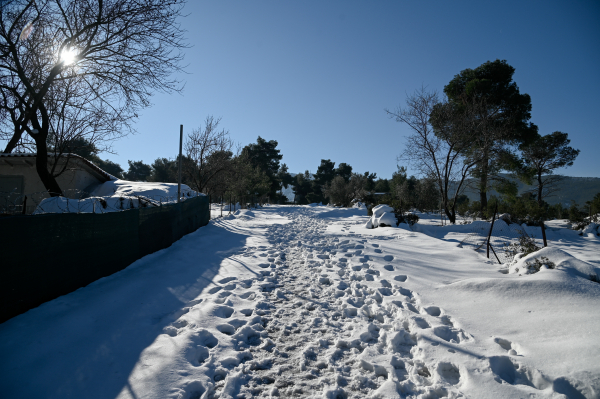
<point>326,317</point>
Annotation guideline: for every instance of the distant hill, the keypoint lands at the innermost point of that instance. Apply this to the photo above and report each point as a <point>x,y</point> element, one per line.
<point>579,189</point>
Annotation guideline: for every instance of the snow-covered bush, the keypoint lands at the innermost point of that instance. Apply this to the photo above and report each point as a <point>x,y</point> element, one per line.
<point>409,219</point>
<point>525,246</point>
<point>592,228</point>
<point>553,259</point>
<point>537,263</point>
<point>384,215</point>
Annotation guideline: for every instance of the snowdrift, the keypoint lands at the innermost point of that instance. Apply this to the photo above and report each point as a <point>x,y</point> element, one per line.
<point>115,196</point>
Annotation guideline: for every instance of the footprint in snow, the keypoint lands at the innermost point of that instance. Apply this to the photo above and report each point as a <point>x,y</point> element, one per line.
<point>389,268</point>
<point>411,307</point>
<point>450,334</point>
<point>248,295</point>
<point>401,277</point>
<point>446,320</point>
<point>514,373</point>
<point>223,312</point>
<point>385,283</point>
<point>204,337</point>
<point>506,345</point>
<point>433,311</point>
<point>226,329</point>
<point>214,290</point>
<point>388,258</point>
<point>448,372</point>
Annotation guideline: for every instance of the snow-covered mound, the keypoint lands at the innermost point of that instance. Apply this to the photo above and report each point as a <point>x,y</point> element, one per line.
<point>553,260</point>
<point>92,204</point>
<point>145,189</point>
<point>592,228</point>
<point>115,196</point>
<point>383,215</point>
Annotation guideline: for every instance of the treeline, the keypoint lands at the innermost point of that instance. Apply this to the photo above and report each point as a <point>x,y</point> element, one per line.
<point>341,187</point>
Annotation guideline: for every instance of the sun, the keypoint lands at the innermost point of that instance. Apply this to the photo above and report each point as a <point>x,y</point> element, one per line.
<point>68,56</point>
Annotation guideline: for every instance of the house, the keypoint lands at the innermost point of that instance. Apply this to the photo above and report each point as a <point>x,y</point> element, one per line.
<point>19,179</point>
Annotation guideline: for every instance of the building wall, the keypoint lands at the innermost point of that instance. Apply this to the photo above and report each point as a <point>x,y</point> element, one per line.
<point>72,181</point>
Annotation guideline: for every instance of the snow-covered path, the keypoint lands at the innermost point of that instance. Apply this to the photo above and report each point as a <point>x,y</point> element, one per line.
<point>301,302</point>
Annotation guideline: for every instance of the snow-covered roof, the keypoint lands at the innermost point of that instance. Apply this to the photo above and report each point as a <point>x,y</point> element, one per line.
<point>29,159</point>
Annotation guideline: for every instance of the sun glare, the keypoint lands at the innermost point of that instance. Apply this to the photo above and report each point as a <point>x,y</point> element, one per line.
<point>68,56</point>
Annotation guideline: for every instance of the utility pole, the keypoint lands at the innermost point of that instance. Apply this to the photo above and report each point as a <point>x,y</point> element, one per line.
<point>179,173</point>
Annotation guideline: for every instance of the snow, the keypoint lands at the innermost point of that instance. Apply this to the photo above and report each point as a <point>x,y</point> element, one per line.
<point>382,216</point>
<point>305,301</point>
<point>115,196</point>
<point>144,189</point>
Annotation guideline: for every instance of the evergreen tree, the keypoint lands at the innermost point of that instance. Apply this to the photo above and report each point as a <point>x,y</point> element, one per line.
<point>325,172</point>
<point>265,156</point>
<point>545,154</point>
<point>302,186</point>
<point>382,186</point>
<point>286,180</point>
<point>344,171</point>
<point>370,181</point>
<point>499,112</point>
<point>164,170</point>
<point>110,167</point>
<point>138,171</point>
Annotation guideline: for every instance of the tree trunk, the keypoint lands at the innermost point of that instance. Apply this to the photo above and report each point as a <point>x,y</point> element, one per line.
<point>539,190</point>
<point>450,211</point>
<point>451,215</point>
<point>41,166</point>
<point>483,179</point>
<point>14,140</point>
<point>483,200</point>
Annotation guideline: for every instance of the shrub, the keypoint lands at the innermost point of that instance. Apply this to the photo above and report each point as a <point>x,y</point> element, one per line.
<point>525,246</point>
<point>537,264</point>
<point>410,219</point>
<point>576,216</point>
<point>401,216</point>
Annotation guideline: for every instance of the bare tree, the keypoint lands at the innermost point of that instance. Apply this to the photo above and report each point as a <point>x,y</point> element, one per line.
<point>441,154</point>
<point>112,54</point>
<point>210,152</point>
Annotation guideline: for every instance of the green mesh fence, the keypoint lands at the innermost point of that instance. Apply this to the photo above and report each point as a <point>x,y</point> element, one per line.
<point>45,256</point>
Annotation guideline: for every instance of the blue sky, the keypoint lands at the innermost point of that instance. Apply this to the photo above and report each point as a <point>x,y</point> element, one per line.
<point>317,75</point>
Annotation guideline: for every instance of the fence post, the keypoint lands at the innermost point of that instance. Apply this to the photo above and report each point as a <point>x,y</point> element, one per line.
<point>544,233</point>
<point>490,233</point>
<point>179,172</point>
